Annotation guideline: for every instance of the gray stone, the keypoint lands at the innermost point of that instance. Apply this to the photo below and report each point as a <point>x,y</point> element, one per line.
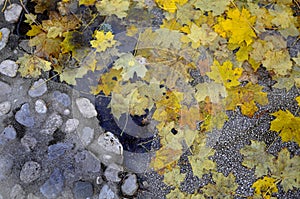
<point>111,150</point>
<point>129,186</point>
<point>17,192</point>
<point>5,36</point>
<point>9,133</point>
<point>54,185</point>
<point>66,112</point>
<point>57,150</point>
<point>40,106</point>
<point>87,162</point>
<point>38,88</point>
<point>112,171</point>
<point>4,88</point>
<point>86,108</point>
<point>107,193</point>
<point>87,135</point>
<point>71,125</point>
<point>12,13</point>
<point>30,172</point>
<point>5,167</point>
<point>28,142</point>
<point>9,68</point>
<point>23,116</point>
<point>62,98</point>
<point>5,107</point>
<point>32,196</point>
<point>52,124</point>
<point>83,190</point>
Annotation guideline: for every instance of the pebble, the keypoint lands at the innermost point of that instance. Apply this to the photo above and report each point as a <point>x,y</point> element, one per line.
<point>17,192</point>
<point>5,107</point>
<point>9,68</point>
<point>38,88</point>
<point>87,162</point>
<point>52,124</point>
<point>129,186</point>
<point>62,98</point>
<point>54,185</point>
<point>28,142</point>
<point>12,13</point>
<point>83,190</point>
<point>71,125</point>
<point>107,193</point>
<point>86,108</point>
<point>9,133</point>
<point>112,171</point>
<point>110,147</point>
<point>66,112</point>
<point>5,167</point>
<point>40,106</point>
<point>4,88</point>
<point>23,116</point>
<point>57,150</point>
<point>30,172</point>
<point>5,36</point>
<point>87,135</point>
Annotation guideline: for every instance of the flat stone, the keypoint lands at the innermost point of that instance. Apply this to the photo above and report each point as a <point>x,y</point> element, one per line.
<point>5,36</point>
<point>86,108</point>
<point>4,88</point>
<point>54,185</point>
<point>5,107</point>
<point>12,13</point>
<point>107,193</point>
<point>112,171</point>
<point>38,88</point>
<point>62,98</point>
<point>83,190</point>
<point>52,124</point>
<point>9,68</point>
<point>87,135</point>
<point>9,133</point>
<point>5,167</point>
<point>30,172</point>
<point>23,116</point>
<point>71,125</point>
<point>17,192</point>
<point>40,106</point>
<point>129,186</point>
<point>57,150</point>
<point>28,142</point>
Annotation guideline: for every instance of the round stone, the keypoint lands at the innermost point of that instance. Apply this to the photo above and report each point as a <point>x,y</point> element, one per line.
<point>5,107</point>
<point>38,88</point>
<point>40,106</point>
<point>30,171</point>
<point>9,68</point>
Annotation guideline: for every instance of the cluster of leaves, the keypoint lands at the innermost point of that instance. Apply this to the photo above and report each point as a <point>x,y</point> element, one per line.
<point>224,41</point>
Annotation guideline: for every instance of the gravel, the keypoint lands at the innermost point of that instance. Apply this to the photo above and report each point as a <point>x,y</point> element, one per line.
<point>40,106</point>
<point>30,172</point>
<point>38,88</point>
<point>5,107</point>
<point>9,68</point>
<point>4,88</point>
<point>112,171</point>
<point>57,150</point>
<point>5,36</point>
<point>12,13</point>
<point>62,98</point>
<point>129,186</point>
<point>28,142</point>
<point>24,117</point>
<point>54,185</point>
<point>9,133</point>
<point>17,192</point>
<point>86,108</point>
<point>53,122</point>
<point>107,193</point>
<point>87,135</point>
<point>6,165</point>
<point>71,125</point>
<point>83,190</point>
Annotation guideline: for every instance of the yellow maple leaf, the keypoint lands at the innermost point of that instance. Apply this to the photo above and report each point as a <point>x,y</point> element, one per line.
<point>103,40</point>
<point>265,187</point>
<point>107,82</point>
<point>246,97</point>
<point>170,5</point>
<point>87,2</point>
<point>110,7</point>
<point>278,61</point>
<point>216,6</point>
<point>225,74</point>
<point>287,125</point>
<point>237,26</point>
<point>298,100</point>
<point>31,65</point>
